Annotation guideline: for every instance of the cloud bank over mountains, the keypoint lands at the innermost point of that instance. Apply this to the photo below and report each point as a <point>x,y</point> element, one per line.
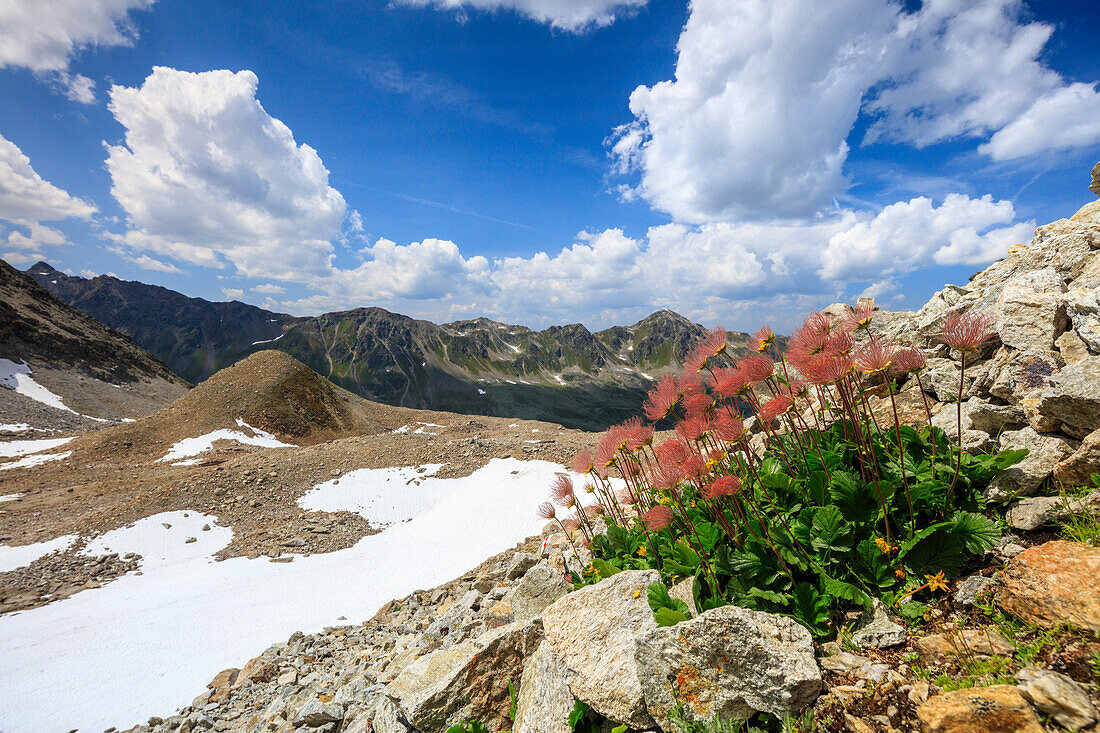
<point>745,150</point>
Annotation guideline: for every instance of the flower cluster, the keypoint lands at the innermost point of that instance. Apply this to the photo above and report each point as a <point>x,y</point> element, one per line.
<point>731,414</point>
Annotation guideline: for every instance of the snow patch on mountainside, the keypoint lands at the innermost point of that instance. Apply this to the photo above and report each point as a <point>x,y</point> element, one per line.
<point>189,447</point>
<point>154,639</point>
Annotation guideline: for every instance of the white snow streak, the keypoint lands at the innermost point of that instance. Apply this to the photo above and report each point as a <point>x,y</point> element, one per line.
<point>189,447</point>
<point>35,460</point>
<point>23,555</point>
<point>18,377</point>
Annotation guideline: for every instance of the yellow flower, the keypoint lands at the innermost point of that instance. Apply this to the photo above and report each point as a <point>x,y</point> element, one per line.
<point>885,547</point>
<point>692,504</point>
<point>900,573</point>
<point>641,550</point>
<point>637,593</point>
<point>936,582</point>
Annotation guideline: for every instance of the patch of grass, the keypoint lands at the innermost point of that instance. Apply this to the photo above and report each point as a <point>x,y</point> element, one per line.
<point>977,672</point>
<point>1082,528</point>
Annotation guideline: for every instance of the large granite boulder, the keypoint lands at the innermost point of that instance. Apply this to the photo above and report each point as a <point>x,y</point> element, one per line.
<point>592,630</point>
<point>467,681</point>
<point>1031,312</point>
<point>1058,696</point>
<point>1077,469</point>
<point>729,661</point>
<point>994,709</point>
<point>1074,397</point>
<point>1052,584</point>
<point>1045,451</point>
<point>544,701</point>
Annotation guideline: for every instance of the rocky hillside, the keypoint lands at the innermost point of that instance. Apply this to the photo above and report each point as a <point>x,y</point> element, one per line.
<point>564,374</point>
<point>95,371</point>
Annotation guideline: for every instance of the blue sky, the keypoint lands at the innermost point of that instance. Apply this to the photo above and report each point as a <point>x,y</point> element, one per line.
<point>543,161</point>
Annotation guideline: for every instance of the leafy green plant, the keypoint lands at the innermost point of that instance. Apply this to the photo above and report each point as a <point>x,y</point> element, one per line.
<point>834,508</point>
<point>473,726</point>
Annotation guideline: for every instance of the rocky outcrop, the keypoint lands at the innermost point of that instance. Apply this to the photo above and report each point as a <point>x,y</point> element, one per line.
<point>593,630</point>
<point>1053,584</point>
<point>731,662</point>
<point>1040,511</point>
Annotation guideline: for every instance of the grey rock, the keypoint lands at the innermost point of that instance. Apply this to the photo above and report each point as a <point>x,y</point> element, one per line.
<point>1025,478</point>
<point>382,715</point>
<point>853,664</point>
<point>684,591</point>
<point>877,630</point>
<point>1077,469</point>
<point>1039,511</point>
<point>1058,696</point>
<point>1083,308</point>
<point>1072,348</point>
<point>1019,374</point>
<point>969,588</point>
<point>539,587</point>
<point>521,562</point>
<point>1095,185</point>
<point>1031,312</point>
<point>545,700</point>
<point>1074,397</point>
<point>467,681</point>
<point>592,630</point>
<point>730,662</point>
<point>316,714</point>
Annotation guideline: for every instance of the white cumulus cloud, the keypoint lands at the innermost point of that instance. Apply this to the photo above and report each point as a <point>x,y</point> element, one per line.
<point>910,234</point>
<point>756,122</point>
<point>207,176</point>
<point>43,36</point>
<point>27,200</point>
<point>570,15</point>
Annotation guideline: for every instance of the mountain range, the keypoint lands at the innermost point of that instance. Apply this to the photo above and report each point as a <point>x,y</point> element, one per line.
<point>564,374</point>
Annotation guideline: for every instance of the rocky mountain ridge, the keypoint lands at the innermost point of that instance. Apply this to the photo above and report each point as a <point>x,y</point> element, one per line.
<point>564,374</point>
<point>99,374</point>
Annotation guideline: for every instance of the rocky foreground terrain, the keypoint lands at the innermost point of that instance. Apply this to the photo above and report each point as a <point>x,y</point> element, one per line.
<point>1014,645</point>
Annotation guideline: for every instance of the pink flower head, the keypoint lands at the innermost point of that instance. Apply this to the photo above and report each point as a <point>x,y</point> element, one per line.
<point>839,342</point>
<point>876,356</point>
<point>756,368</point>
<point>694,467</point>
<point>826,369</point>
<point>594,509</point>
<point>582,463</point>
<point>728,382</point>
<point>763,339</point>
<point>910,360</point>
<point>723,486</point>
<point>570,524</point>
<point>673,451</point>
<point>626,496</point>
<point>711,345</point>
<point>727,428</point>
<point>693,428</point>
<point>546,511</point>
<point>698,404</point>
<point>657,518</point>
<point>562,491</point>
<point>638,434</point>
<point>967,331</point>
<point>667,475</point>
<point>773,408</point>
<point>859,318</point>
<point>662,399</point>
<point>606,449</point>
